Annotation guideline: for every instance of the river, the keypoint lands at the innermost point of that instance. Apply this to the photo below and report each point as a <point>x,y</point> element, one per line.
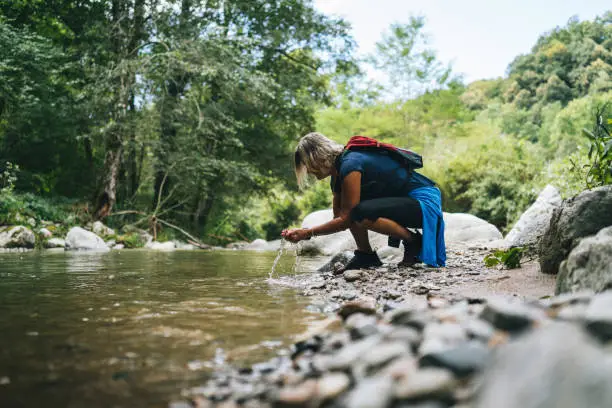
<point>136,328</point>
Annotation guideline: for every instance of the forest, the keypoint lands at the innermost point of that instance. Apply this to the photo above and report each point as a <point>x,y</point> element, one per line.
<point>182,115</point>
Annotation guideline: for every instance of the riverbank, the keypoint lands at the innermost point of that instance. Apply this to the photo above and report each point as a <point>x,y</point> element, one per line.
<point>462,336</point>
<point>396,336</point>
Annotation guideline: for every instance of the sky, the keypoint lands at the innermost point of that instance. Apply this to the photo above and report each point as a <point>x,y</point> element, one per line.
<point>479,37</point>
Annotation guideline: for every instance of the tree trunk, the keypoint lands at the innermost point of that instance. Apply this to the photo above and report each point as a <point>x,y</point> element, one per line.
<point>175,86</point>
<point>107,197</point>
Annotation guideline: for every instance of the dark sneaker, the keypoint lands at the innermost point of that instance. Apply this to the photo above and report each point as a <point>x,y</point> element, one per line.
<point>361,260</point>
<point>412,249</point>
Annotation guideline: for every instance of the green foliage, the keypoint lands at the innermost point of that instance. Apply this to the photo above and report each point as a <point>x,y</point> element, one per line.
<point>285,214</point>
<point>492,181</point>
<point>599,170</point>
<point>131,240</point>
<point>412,68</point>
<point>8,177</point>
<point>510,258</point>
<point>566,63</point>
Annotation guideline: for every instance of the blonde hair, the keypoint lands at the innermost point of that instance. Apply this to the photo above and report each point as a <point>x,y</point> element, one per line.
<point>315,152</point>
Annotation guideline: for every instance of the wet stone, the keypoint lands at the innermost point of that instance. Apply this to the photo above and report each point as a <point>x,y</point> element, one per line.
<point>426,383</point>
<point>508,315</point>
<point>598,318</point>
<point>318,285</point>
<point>463,360</point>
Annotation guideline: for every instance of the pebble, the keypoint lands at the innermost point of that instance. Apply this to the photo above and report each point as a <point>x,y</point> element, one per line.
<point>364,305</point>
<point>598,317</point>
<point>295,396</point>
<point>463,360</point>
<point>407,335</point>
<point>332,385</point>
<point>426,383</point>
<point>373,392</point>
<point>383,353</point>
<point>478,329</point>
<point>352,276</point>
<point>347,355</point>
<point>508,315</point>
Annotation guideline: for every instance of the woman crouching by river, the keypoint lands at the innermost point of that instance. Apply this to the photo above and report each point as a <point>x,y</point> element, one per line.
<point>372,190</point>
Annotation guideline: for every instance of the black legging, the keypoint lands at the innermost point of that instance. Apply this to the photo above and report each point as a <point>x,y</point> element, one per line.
<point>405,211</point>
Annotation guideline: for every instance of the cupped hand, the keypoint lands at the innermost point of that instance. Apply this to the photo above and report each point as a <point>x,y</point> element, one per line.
<point>295,235</point>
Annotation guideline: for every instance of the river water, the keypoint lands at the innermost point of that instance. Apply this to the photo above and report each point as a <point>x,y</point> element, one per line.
<point>135,328</point>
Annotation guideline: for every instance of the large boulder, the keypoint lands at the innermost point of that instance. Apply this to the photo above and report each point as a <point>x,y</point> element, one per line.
<point>578,217</point>
<point>161,246</point>
<point>556,366</point>
<point>263,245</point>
<point>81,239</point>
<point>469,229</point>
<point>17,237</point>
<point>535,221</point>
<point>459,228</point>
<point>589,265</point>
<point>333,243</point>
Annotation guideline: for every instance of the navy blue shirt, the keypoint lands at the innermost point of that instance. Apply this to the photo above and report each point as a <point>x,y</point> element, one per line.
<point>381,175</point>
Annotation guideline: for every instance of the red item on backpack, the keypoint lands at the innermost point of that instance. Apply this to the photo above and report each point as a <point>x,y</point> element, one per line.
<point>408,158</point>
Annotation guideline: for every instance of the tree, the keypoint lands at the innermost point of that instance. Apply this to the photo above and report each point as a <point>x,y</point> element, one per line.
<point>411,67</point>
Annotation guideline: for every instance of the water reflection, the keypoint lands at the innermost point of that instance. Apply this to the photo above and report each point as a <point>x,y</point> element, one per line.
<point>133,328</point>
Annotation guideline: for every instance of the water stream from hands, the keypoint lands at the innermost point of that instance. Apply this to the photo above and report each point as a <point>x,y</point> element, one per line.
<point>271,278</point>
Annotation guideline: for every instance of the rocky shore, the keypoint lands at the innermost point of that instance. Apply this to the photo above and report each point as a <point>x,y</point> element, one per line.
<point>463,336</point>
<point>429,351</point>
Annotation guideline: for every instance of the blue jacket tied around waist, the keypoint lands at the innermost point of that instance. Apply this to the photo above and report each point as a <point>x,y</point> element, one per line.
<point>433,251</point>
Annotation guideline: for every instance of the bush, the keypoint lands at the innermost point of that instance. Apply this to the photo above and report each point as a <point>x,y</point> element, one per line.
<point>493,181</point>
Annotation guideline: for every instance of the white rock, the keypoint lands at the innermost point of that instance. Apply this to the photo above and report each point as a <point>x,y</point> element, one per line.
<point>45,232</point>
<point>183,246</point>
<point>119,246</point>
<point>469,229</point>
<point>161,246</point>
<point>535,220</point>
<point>459,228</point>
<point>100,229</point>
<point>17,237</point>
<point>55,243</point>
<point>81,239</point>
<point>333,243</point>
<point>263,245</point>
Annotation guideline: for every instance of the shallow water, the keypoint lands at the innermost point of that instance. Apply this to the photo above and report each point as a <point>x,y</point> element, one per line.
<point>134,328</point>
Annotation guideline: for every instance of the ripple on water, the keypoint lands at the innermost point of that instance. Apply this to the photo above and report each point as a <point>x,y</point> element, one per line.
<point>158,313</point>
